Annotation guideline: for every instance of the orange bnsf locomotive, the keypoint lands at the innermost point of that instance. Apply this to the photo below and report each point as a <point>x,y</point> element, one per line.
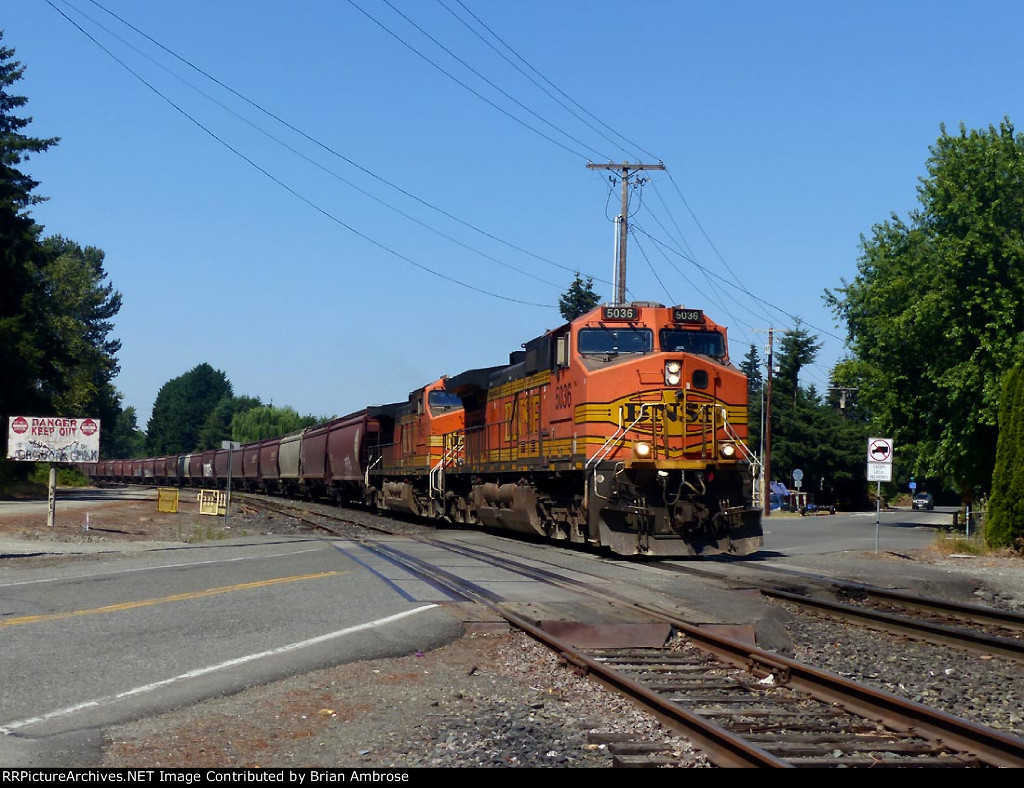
<point>623,429</point>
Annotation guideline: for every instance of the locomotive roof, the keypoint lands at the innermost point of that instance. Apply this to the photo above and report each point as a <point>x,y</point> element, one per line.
<point>470,380</point>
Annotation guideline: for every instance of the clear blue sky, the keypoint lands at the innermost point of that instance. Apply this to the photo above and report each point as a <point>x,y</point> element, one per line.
<point>425,203</point>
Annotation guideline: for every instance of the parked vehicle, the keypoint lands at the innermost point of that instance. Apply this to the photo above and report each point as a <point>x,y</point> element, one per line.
<point>923,500</point>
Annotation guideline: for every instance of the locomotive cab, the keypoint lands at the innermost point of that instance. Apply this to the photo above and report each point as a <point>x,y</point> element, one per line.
<point>666,423</point>
<point>427,440</point>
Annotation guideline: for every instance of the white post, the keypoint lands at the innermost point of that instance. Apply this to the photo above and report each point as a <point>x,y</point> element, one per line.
<point>227,504</point>
<point>878,511</point>
<point>51,509</point>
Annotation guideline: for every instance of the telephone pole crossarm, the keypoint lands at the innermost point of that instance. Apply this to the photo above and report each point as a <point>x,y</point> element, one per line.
<point>626,171</point>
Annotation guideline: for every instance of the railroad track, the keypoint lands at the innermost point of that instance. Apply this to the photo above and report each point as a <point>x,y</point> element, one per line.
<point>982,630</point>
<point>740,705</point>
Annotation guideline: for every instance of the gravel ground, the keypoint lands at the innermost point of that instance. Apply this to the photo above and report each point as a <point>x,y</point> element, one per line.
<point>483,701</point>
<point>501,700</point>
<point>986,690</point>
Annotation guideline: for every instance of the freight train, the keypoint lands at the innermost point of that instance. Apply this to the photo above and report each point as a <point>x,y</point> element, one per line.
<point>623,429</point>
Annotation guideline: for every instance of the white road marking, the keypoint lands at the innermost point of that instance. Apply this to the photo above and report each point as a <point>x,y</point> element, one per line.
<point>11,727</point>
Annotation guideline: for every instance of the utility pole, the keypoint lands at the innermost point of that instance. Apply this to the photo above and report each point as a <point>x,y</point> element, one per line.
<point>626,170</point>
<point>768,430</point>
<point>843,392</point>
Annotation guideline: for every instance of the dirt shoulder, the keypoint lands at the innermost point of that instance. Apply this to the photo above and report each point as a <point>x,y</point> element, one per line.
<point>94,526</point>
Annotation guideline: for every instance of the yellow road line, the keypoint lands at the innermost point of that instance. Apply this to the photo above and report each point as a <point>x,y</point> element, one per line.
<point>161,600</point>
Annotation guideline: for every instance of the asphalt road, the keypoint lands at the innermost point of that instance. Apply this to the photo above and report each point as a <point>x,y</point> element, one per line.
<point>93,643</point>
<point>893,530</point>
<point>89,644</point>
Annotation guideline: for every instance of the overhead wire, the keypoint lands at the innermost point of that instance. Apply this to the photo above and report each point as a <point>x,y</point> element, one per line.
<point>670,174</point>
<point>555,87</point>
<point>691,258</point>
<point>281,183</point>
<point>305,135</point>
<point>459,82</point>
<point>541,87</point>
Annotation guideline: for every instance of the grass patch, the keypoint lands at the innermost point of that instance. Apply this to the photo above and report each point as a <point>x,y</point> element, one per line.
<point>950,543</point>
<point>211,532</point>
<point>33,480</point>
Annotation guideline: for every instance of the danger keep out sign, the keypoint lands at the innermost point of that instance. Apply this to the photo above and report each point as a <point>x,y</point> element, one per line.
<point>53,439</point>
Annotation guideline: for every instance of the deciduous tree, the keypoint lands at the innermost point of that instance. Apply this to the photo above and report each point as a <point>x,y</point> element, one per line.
<point>217,427</point>
<point>934,314</point>
<point>256,424</point>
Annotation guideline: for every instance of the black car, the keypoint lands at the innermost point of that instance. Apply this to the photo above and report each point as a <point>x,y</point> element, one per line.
<point>923,500</point>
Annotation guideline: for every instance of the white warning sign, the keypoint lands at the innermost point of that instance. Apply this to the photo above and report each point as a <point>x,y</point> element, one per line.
<point>53,439</point>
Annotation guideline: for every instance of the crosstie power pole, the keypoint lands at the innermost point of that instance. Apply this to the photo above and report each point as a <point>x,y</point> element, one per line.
<point>625,172</point>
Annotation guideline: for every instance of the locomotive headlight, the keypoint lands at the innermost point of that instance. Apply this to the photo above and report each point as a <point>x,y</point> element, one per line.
<point>727,450</point>
<point>642,450</point>
<point>673,373</point>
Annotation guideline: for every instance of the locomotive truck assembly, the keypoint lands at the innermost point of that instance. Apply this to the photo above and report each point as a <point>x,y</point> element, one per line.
<point>623,429</point>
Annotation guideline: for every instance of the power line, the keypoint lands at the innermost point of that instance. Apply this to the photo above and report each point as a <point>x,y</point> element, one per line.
<point>462,84</point>
<point>319,144</point>
<point>543,89</point>
<point>285,186</point>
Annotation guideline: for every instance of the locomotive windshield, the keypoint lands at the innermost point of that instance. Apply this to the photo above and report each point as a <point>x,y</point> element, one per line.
<point>616,340</point>
<point>442,401</point>
<point>680,340</point>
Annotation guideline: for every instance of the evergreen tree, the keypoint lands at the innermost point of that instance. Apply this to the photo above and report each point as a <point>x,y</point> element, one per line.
<point>21,348</point>
<point>809,434</point>
<point>1004,523</point>
<point>579,299</point>
<point>751,367</point>
<point>182,407</point>
<point>797,349</point>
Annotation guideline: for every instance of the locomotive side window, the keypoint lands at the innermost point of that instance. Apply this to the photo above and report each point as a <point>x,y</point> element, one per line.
<point>615,340</point>
<point>442,401</point>
<point>562,351</point>
<point>704,343</point>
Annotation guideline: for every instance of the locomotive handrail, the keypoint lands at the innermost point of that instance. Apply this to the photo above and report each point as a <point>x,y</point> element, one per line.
<point>753,458</point>
<point>366,476</point>
<point>437,472</point>
<point>605,449</point>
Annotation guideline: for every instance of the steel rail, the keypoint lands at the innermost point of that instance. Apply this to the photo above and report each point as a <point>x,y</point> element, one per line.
<point>890,622</point>
<point>722,747</point>
<point>928,631</point>
<point>988,745</point>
